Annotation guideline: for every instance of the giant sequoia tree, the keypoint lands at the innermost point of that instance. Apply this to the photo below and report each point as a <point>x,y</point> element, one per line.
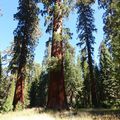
<point>85,28</point>
<point>25,36</point>
<point>56,90</point>
<point>56,11</point>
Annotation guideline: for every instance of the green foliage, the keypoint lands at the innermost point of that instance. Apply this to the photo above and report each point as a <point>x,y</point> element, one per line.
<point>38,85</point>
<point>26,95</point>
<point>25,40</point>
<point>33,93</point>
<point>111,28</point>
<point>1,83</point>
<point>105,68</point>
<point>0,67</point>
<point>7,106</point>
<point>61,10</point>
<point>54,63</point>
<point>98,84</point>
<point>5,88</point>
<point>85,29</point>
<point>73,78</point>
<point>32,85</point>
<point>80,74</point>
<point>66,35</point>
<point>86,2</point>
<point>38,90</point>
<point>57,37</point>
<point>43,89</point>
<point>108,83</point>
<point>78,83</point>
<point>85,26</point>
<point>115,41</point>
<point>86,92</point>
<point>25,35</point>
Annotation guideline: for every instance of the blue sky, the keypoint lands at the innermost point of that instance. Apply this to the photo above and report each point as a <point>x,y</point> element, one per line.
<point>8,25</point>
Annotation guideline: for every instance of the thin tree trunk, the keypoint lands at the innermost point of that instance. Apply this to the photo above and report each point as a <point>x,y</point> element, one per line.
<point>92,79</point>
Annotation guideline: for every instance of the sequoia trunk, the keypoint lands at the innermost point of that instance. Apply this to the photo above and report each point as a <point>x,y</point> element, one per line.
<point>56,90</point>
<point>21,74</point>
<point>19,90</point>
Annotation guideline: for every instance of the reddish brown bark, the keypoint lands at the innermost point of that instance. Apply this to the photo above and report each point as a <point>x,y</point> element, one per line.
<point>21,74</point>
<point>56,90</point>
<point>19,90</point>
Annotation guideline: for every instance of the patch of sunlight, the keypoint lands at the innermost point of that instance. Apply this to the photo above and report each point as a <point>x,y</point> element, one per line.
<point>38,114</point>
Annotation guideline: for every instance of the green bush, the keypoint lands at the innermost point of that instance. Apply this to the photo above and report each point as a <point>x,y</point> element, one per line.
<point>8,103</point>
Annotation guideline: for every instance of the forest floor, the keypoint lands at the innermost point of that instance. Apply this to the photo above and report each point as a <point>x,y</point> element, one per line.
<point>81,114</point>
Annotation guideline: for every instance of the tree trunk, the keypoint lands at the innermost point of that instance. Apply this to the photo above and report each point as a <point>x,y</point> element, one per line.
<point>21,74</point>
<point>92,79</point>
<point>19,89</point>
<point>56,90</point>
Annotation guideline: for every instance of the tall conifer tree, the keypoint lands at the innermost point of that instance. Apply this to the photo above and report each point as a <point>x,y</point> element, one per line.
<point>25,36</point>
<point>56,10</point>
<point>56,90</point>
<point>107,93</point>
<point>111,20</point>
<point>85,28</point>
<point>86,92</point>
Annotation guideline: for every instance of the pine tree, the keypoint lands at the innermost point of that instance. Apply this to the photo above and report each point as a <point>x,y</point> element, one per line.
<point>114,35</point>
<point>107,80</point>
<point>98,83</point>
<point>47,54</point>
<point>7,106</point>
<point>6,88</point>
<point>73,77</point>
<point>111,29</point>
<point>39,88</point>
<point>86,92</point>
<point>25,36</point>
<point>32,85</point>
<point>108,5</point>
<point>85,28</point>
<point>78,83</point>
<point>69,66</point>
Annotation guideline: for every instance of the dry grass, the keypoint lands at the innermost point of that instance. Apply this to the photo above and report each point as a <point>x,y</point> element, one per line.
<point>38,114</point>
